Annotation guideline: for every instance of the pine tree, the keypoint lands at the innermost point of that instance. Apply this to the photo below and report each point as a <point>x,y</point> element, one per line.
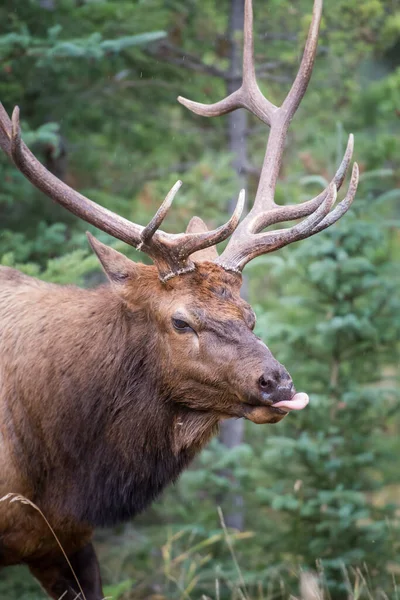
<point>339,325</point>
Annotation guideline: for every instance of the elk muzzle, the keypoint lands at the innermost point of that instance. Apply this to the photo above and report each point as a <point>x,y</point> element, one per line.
<point>274,395</point>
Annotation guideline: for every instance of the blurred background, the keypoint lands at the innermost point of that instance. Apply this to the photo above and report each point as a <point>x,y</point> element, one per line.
<point>309,508</point>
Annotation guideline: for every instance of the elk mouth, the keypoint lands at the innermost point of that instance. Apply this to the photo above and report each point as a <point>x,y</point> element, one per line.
<point>297,402</point>
<point>268,411</point>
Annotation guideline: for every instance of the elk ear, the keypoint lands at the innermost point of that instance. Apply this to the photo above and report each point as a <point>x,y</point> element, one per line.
<point>117,267</point>
<point>197,225</point>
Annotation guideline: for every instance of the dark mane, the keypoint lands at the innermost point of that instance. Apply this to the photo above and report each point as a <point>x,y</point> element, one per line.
<point>103,398</point>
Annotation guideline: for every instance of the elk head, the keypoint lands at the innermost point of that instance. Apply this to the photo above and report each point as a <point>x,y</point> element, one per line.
<point>209,359</point>
<point>191,295</point>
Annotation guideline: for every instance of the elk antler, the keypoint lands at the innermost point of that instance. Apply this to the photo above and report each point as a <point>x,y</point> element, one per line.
<point>170,252</point>
<point>248,241</point>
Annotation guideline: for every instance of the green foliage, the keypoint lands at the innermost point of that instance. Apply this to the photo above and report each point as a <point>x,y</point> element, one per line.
<point>97,90</point>
<point>314,491</point>
<point>341,315</point>
<point>118,590</point>
<point>17,584</point>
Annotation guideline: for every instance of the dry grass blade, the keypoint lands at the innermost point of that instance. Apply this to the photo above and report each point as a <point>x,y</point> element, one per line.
<point>232,551</point>
<point>12,497</point>
<point>310,588</point>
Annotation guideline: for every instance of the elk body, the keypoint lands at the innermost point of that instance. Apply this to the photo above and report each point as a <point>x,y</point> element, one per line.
<point>106,395</point>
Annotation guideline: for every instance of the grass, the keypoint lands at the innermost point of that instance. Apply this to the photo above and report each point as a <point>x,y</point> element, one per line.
<point>188,569</point>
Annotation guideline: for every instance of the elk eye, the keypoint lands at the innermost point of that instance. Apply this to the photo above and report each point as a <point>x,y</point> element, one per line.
<point>180,325</point>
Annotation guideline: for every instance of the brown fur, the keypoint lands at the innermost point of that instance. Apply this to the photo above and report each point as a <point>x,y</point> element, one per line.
<point>103,402</point>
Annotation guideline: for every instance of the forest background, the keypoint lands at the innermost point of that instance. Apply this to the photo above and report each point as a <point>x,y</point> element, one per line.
<point>314,501</point>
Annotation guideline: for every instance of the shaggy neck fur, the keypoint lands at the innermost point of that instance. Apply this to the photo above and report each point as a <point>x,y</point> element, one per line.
<point>110,444</point>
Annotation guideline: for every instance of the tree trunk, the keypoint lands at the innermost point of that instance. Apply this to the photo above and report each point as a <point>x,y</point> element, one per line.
<point>232,431</point>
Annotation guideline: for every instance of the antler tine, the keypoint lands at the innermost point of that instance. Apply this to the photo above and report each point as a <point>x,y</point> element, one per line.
<point>300,84</point>
<point>160,215</point>
<point>246,250</point>
<point>310,227</point>
<point>282,117</point>
<point>248,95</point>
<point>249,246</point>
<point>344,165</point>
<point>343,206</point>
<point>182,246</point>
<point>189,243</point>
<point>227,105</point>
<point>203,240</point>
<point>322,218</point>
<point>305,228</point>
<point>291,212</point>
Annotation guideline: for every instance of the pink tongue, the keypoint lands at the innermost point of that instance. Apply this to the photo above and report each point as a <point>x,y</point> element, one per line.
<point>298,402</point>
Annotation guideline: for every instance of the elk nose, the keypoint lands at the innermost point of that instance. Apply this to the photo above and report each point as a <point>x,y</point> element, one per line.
<point>277,385</point>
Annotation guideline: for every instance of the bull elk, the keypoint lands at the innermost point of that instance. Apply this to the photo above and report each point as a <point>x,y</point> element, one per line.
<point>107,394</point>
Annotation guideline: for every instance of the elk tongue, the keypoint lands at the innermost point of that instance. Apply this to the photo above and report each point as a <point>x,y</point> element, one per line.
<point>298,402</point>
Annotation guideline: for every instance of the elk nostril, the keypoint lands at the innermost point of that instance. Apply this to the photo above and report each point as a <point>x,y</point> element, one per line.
<point>266,384</point>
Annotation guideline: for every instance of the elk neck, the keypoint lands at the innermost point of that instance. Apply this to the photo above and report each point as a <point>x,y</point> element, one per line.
<point>95,414</point>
